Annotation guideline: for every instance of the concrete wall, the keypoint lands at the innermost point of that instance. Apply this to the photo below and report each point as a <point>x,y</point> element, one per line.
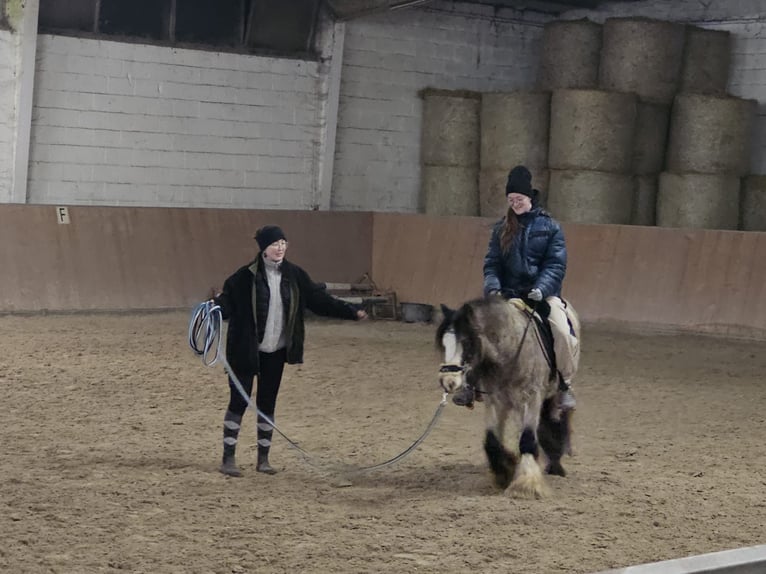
<point>745,19</point>
<point>7,113</point>
<point>388,58</point>
<point>130,124</point>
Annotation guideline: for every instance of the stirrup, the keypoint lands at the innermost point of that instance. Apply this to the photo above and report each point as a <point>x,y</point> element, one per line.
<point>567,400</point>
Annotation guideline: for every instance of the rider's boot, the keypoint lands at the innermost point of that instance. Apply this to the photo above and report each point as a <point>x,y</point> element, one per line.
<point>464,397</point>
<point>566,398</point>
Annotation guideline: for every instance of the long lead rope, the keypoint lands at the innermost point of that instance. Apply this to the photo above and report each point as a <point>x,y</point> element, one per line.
<point>205,339</point>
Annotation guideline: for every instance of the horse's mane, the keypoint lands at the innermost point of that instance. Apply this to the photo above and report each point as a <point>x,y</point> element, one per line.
<point>477,322</point>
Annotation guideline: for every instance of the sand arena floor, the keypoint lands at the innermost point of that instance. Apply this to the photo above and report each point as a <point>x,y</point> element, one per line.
<point>111,436</point>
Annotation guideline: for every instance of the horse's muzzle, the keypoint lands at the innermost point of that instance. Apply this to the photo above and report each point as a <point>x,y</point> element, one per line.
<point>451,377</point>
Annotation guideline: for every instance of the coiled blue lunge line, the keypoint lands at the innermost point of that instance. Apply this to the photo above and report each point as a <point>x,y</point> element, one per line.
<point>206,340</point>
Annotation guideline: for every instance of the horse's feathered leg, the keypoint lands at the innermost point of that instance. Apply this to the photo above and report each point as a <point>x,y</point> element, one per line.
<point>529,480</point>
<point>502,462</point>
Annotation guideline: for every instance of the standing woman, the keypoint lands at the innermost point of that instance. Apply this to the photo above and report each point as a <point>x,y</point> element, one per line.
<point>527,258</point>
<point>264,303</point>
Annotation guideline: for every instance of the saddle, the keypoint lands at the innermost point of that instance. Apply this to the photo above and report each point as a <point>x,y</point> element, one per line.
<point>543,331</point>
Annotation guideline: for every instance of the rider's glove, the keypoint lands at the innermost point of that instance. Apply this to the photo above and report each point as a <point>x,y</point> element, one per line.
<point>535,295</point>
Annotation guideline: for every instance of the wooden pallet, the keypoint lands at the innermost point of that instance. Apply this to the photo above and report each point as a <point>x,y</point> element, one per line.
<point>378,304</point>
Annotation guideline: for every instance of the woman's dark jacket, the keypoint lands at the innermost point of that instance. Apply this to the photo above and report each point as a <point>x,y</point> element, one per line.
<point>537,257</point>
<point>248,288</point>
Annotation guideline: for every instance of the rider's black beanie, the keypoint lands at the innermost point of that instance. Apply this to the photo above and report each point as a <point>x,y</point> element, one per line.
<point>520,181</point>
<point>267,235</point>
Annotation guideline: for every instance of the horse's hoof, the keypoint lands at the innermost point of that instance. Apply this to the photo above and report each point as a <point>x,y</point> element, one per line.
<point>556,469</point>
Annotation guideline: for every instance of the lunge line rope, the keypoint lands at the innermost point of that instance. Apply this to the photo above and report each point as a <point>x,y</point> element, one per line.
<point>205,339</point>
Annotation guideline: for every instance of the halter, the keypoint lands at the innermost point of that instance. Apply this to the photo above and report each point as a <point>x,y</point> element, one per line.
<point>452,368</point>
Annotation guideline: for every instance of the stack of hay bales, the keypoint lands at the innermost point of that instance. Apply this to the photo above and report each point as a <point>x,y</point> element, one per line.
<point>706,61</point>
<point>601,138</point>
<point>514,130</point>
<point>591,131</point>
<point>644,57</point>
<point>754,203</point>
<point>570,55</point>
<point>450,152</point>
<point>709,143</point>
<point>590,154</point>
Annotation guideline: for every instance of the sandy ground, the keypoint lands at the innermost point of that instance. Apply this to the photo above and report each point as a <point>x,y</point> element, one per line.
<point>111,437</point>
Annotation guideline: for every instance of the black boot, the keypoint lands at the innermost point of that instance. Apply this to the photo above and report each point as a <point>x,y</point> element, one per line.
<point>229,465</point>
<point>263,462</point>
<point>231,426</point>
<point>465,396</point>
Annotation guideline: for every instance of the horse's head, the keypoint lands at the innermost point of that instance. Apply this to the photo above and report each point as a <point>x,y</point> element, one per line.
<point>455,341</point>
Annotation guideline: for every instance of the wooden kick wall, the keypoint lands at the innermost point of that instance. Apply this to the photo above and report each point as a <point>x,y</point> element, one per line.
<point>116,258</point>
<point>636,277</point>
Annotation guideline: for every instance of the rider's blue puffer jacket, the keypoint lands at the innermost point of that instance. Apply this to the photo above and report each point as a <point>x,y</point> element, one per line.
<point>537,258</point>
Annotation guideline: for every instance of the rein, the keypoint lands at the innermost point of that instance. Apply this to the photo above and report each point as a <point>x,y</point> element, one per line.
<point>206,341</point>
<point>524,335</point>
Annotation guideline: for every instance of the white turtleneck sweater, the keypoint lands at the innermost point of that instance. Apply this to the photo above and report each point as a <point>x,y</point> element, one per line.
<point>273,332</point>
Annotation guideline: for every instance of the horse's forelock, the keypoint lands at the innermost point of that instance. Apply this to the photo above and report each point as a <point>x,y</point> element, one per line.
<point>445,325</point>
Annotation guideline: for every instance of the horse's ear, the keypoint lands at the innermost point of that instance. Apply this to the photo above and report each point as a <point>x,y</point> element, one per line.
<point>447,312</point>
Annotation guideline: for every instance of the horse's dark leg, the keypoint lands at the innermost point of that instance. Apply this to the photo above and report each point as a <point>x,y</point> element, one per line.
<point>552,435</point>
<point>501,461</point>
<point>529,480</point>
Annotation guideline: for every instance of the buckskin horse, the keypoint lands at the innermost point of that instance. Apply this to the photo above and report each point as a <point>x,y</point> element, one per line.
<point>495,345</point>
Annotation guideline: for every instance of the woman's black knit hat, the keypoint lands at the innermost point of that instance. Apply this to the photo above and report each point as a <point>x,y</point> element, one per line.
<point>520,181</point>
<point>267,235</point>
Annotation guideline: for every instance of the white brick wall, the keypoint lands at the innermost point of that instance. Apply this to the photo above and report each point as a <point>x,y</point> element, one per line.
<point>7,114</point>
<point>131,124</point>
<point>745,19</point>
<point>388,58</point>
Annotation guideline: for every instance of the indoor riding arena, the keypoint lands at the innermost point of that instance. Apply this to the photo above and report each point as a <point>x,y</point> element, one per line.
<point>140,150</point>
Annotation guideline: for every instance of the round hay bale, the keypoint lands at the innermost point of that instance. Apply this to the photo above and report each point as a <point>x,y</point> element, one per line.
<point>450,190</point>
<point>754,203</point>
<point>645,201</point>
<point>590,196</point>
<point>651,137</point>
<point>492,202</point>
<point>707,56</point>
<point>710,134</point>
<point>514,129</point>
<point>698,200</point>
<point>571,52</point>
<point>592,130</point>
<point>450,129</point>
<point>642,56</point>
